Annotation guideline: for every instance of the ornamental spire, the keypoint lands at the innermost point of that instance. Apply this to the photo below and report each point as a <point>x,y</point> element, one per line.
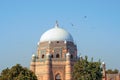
<point>56,24</point>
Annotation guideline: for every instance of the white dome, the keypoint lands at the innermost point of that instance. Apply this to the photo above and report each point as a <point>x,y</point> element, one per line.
<point>103,62</point>
<point>56,34</point>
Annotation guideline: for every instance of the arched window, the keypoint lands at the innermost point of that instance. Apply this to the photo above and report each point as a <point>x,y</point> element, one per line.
<point>57,56</point>
<point>51,56</point>
<point>71,56</point>
<point>58,77</point>
<point>43,56</point>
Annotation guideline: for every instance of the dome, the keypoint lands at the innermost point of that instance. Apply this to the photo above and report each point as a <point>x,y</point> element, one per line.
<point>56,34</point>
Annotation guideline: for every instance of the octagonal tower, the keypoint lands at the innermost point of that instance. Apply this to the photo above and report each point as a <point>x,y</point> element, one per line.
<point>56,55</point>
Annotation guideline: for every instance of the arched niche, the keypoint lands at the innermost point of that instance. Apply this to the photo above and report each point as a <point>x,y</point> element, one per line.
<point>57,56</point>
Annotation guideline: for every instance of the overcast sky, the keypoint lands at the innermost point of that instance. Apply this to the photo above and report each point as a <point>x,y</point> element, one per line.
<point>94,25</point>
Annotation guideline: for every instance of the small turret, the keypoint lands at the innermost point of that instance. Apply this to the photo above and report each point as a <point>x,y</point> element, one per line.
<point>68,56</point>
<point>68,67</point>
<point>104,71</point>
<point>33,58</point>
<point>33,63</point>
<point>47,66</point>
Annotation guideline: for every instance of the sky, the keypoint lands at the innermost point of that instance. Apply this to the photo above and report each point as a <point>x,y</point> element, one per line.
<point>93,24</point>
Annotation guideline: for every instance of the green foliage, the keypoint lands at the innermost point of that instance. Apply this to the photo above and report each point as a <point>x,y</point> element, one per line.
<point>110,71</point>
<point>17,72</point>
<point>4,74</point>
<point>87,70</point>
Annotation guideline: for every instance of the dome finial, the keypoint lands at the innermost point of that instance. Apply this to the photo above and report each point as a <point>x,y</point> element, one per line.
<point>56,24</point>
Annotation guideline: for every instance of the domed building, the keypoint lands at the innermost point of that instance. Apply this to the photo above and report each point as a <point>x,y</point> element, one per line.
<point>56,55</point>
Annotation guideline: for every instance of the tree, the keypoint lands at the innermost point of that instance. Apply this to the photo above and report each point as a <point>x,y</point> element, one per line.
<point>4,74</point>
<point>87,70</point>
<point>110,71</point>
<point>17,72</point>
<point>116,71</point>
